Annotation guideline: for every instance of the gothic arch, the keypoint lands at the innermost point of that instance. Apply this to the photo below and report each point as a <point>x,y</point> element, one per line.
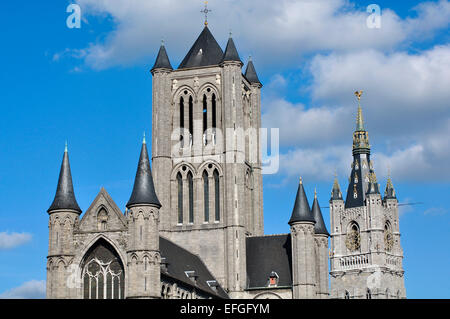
<point>179,169</point>
<point>209,170</point>
<point>102,272</point>
<point>267,295</point>
<point>180,91</point>
<point>205,87</point>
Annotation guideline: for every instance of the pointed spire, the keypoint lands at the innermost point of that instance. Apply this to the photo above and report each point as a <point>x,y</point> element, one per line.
<point>231,54</point>
<point>65,196</point>
<point>359,116</point>
<point>250,73</point>
<point>319,227</point>
<point>389,193</point>
<point>144,189</point>
<point>301,211</point>
<point>336,193</point>
<point>162,61</point>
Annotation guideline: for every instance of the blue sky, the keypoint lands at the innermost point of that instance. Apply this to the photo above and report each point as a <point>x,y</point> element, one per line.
<point>92,87</point>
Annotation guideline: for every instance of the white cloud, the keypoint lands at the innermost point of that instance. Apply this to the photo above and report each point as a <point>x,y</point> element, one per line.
<point>298,27</point>
<point>33,289</point>
<point>12,240</point>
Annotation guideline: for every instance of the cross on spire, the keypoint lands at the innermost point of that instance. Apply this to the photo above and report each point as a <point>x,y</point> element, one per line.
<point>206,11</point>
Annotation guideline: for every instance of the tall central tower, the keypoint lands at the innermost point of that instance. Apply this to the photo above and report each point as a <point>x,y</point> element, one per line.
<point>366,255</point>
<point>206,155</point>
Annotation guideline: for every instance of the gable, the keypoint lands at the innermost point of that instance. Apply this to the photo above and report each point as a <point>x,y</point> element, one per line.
<point>103,215</point>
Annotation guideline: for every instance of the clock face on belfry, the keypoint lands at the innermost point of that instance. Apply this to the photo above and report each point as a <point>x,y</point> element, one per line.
<point>353,240</point>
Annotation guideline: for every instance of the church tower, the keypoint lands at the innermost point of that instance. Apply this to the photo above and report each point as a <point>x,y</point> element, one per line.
<point>143,253</point>
<point>206,155</point>
<point>366,255</point>
<point>64,214</point>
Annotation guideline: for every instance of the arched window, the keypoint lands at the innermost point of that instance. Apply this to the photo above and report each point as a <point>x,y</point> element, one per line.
<point>206,195</point>
<point>205,113</point>
<point>214,111</point>
<point>191,115</point>
<point>191,197</point>
<point>180,198</point>
<point>181,112</point>
<point>217,194</point>
<point>102,219</point>
<point>347,295</point>
<point>368,294</point>
<point>387,293</point>
<point>353,239</point>
<point>388,237</point>
<point>103,273</point>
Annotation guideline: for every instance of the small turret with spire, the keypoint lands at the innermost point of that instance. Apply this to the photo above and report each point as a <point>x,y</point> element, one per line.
<point>250,73</point>
<point>162,60</point>
<point>143,231</point>
<point>389,192</point>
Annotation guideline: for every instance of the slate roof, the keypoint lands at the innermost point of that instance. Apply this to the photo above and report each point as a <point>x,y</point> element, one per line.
<point>65,195</point>
<point>231,53</point>
<point>250,73</point>
<point>144,189</point>
<point>319,227</point>
<point>266,254</point>
<point>301,211</point>
<point>205,52</point>
<point>162,60</point>
<point>181,260</point>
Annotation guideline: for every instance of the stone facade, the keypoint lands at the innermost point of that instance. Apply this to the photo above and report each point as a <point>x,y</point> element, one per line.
<point>194,229</point>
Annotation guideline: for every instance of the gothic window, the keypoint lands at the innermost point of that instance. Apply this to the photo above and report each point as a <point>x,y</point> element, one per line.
<point>368,294</point>
<point>347,295</point>
<point>217,194</point>
<point>206,195</point>
<point>103,273</point>
<point>388,237</point>
<point>181,112</point>
<point>353,240</point>
<point>214,111</point>
<point>191,197</point>
<point>205,113</point>
<point>102,219</point>
<point>180,198</point>
<point>191,115</point>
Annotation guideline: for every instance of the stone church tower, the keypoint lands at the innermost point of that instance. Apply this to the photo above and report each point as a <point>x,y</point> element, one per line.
<point>206,155</point>
<point>366,255</point>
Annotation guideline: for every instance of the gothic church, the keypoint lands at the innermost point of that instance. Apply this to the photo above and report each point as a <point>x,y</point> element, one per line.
<point>193,228</point>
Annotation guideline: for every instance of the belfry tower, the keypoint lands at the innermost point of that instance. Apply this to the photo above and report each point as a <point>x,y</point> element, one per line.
<point>366,255</point>
<point>206,154</point>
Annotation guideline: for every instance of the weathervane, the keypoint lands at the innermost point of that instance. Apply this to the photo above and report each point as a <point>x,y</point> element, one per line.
<point>206,11</point>
<point>358,95</point>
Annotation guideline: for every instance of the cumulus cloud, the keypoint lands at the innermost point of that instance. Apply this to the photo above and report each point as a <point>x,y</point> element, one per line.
<point>33,289</point>
<point>402,90</point>
<point>12,240</point>
<point>299,27</point>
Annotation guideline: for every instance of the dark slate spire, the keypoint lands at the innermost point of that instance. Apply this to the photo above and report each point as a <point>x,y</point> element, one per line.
<point>65,196</point>
<point>362,167</point>
<point>162,61</point>
<point>250,73</point>
<point>205,52</point>
<point>389,193</point>
<point>231,53</point>
<point>319,227</point>
<point>336,193</point>
<point>302,211</point>
<point>143,190</point>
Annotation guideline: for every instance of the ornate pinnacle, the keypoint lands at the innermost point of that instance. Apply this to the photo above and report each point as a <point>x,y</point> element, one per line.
<point>359,117</point>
